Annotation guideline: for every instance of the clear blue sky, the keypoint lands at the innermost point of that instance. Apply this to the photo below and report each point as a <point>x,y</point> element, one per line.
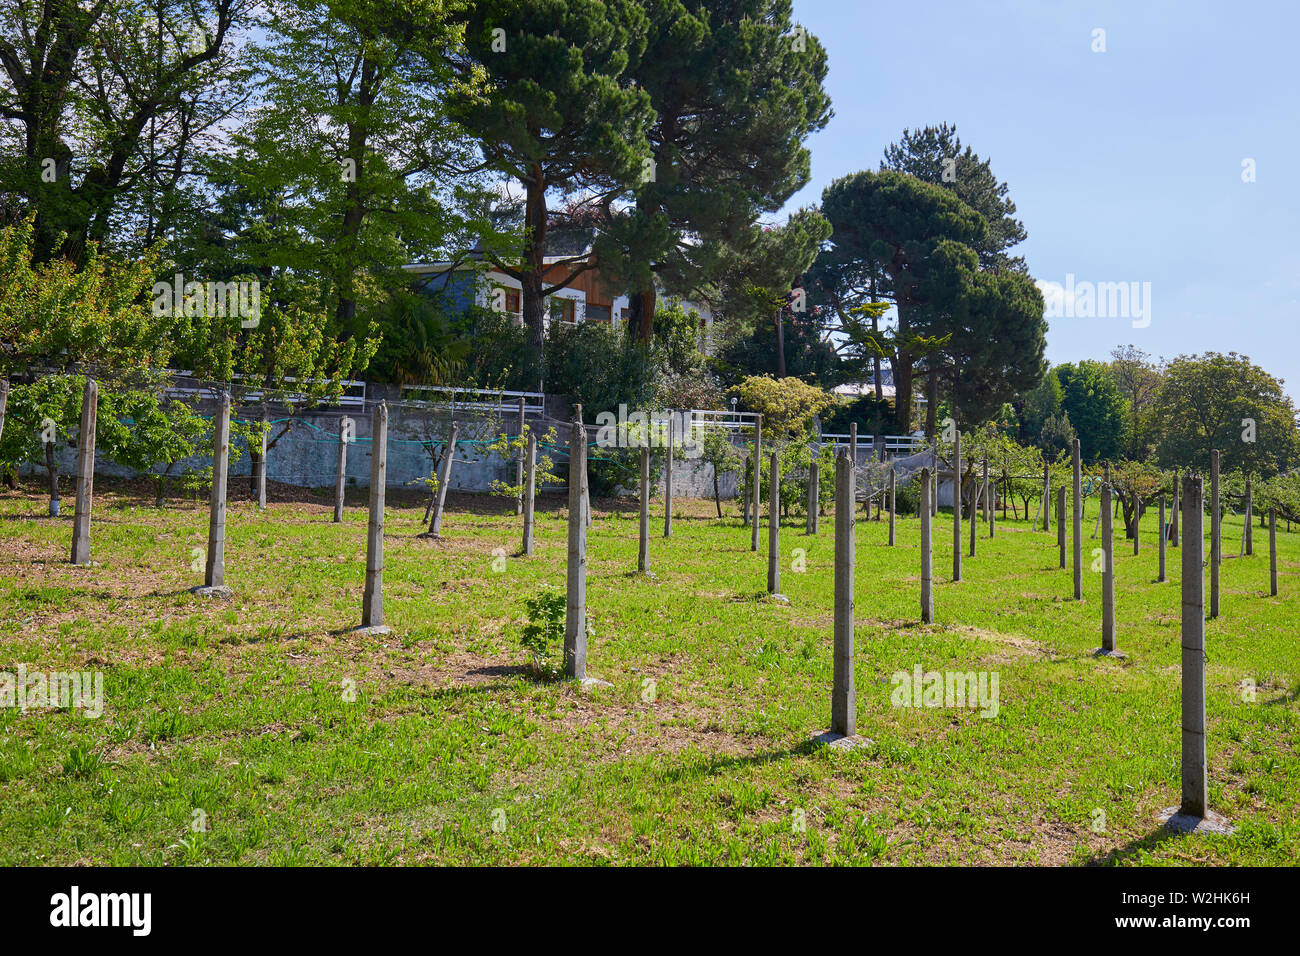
<point>1124,165</point>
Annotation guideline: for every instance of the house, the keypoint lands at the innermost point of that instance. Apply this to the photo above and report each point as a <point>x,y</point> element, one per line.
<point>588,298</point>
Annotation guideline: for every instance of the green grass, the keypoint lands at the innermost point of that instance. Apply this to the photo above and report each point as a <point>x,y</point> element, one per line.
<point>300,742</point>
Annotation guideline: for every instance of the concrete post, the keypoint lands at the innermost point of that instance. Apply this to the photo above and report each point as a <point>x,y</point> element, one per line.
<point>977,501</point>
<point>990,500</point>
<point>530,492</point>
<point>755,498</point>
<point>1077,519</point>
<point>956,506</point>
<point>1250,514</point>
<point>214,575</point>
<point>774,526</point>
<point>4,401</point>
<point>1162,574</point>
<point>1195,788</point>
<point>444,479</point>
<point>1060,523</point>
<point>893,503</point>
<point>264,443</point>
<point>575,617</point>
<point>1138,507</point>
<point>984,490</point>
<point>586,486</point>
<point>1047,496</point>
<point>668,482</point>
<point>844,718</point>
<point>1173,516</point>
<point>643,547</point>
<point>927,566</point>
<point>85,473</point>
<point>814,492</point>
<point>1216,543</point>
<point>1107,574</point>
<point>1272,551</point>
<point>341,475</point>
<point>372,607</point>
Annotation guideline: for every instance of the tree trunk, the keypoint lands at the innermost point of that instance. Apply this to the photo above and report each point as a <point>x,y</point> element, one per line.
<point>533,268</point>
<point>875,359</point>
<point>780,345</point>
<point>932,404</point>
<point>641,314</point>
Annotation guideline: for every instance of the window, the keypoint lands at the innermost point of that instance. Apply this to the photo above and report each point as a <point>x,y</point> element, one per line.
<point>562,310</point>
<point>504,300</point>
<point>598,313</point>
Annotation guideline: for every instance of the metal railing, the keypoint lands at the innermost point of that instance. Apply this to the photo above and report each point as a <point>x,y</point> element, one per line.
<point>907,444</point>
<point>353,396</point>
<point>474,399</point>
<point>733,421</point>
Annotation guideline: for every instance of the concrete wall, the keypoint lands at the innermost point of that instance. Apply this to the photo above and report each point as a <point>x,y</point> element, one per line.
<point>306,455</point>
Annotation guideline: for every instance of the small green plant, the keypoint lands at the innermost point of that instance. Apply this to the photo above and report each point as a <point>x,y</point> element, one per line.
<point>83,761</point>
<point>543,635</point>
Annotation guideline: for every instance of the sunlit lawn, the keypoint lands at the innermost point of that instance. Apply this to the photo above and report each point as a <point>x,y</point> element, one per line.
<point>300,742</point>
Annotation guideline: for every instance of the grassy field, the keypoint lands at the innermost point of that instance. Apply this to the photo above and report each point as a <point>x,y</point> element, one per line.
<point>298,741</point>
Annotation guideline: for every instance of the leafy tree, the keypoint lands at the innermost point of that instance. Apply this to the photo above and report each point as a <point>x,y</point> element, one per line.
<point>555,113</point>
<point>1057,434</point>
<point>736,88</point>
<point>721,455</point>
<point>911,234</point>
<point>994,342</point>
<point>1096,409</point>
<point>350,167</point>
<point>106,102</point>
<point>1138,380</point>
<point>787,405</point>
<point>935,155</point>
<point>1038,405</point>
<point>1207,401</point>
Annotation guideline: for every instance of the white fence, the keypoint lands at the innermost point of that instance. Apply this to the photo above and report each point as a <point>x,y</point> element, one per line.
<point>474,399</point>
<point>353,396</point>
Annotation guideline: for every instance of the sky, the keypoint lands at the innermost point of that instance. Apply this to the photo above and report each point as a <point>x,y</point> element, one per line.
<point>1125,165</point>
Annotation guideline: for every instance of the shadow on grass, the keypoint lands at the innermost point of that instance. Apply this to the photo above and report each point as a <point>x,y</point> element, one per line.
<point>1122,854</point>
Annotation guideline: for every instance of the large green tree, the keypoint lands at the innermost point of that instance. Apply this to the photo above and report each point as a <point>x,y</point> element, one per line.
<point>935,154</point>
<point>912,242</point>
<point>1095,407</point>
<point>350,168</point>
<point>104,104</point>
<point>556,113</point>
<point>1138,380</point>
<point>1226,402</point>
<point>736,87</point>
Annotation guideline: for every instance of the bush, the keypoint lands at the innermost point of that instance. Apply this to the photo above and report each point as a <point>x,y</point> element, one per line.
<point>599,367</point>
